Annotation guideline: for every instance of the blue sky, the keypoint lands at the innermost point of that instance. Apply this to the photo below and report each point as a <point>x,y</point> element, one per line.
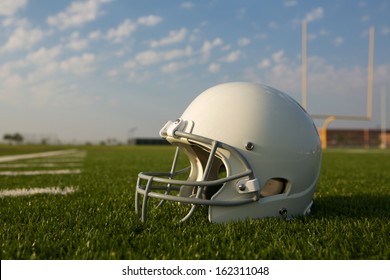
<point>97,69</point>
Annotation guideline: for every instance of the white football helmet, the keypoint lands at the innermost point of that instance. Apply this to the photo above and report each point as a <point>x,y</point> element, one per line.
<point>253,151</point>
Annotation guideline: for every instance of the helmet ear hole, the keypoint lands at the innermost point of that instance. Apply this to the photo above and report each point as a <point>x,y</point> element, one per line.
<point>273,186</point>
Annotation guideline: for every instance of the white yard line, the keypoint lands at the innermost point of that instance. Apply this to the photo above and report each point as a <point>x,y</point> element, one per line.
<point>40,172</point>
<point>20,165</point>
<point>37,155</point>
<point>33,191</point>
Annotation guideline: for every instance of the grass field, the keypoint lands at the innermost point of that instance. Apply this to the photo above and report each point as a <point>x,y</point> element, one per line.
<point>350,219</point>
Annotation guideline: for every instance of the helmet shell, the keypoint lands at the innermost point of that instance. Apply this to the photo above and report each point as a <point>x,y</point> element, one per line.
<point>271,131</point>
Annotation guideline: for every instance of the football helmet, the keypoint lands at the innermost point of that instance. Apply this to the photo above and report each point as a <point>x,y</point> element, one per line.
<point>253,152</point>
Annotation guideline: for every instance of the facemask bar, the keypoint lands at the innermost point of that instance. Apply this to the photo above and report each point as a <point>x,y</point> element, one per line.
<point>151,177</point>
<point>204,177</point>
<point>173,171</point>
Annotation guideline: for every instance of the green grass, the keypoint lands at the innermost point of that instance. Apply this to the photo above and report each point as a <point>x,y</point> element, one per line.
<point>25,149</point>
<point>350,219</point>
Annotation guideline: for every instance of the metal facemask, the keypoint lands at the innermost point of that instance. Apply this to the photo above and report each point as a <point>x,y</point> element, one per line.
<point>203,186</point>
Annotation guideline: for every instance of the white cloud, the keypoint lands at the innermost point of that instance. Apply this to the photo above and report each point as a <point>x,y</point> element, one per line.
<point>176,53</point>
<point>43,55</point>
<point>76,43</point>
<point>77,14</point>
<point>187,5</point>
<point>338,41</point>
<point>22,39</point>
<point>214,68</point>
<point>127,27</point>
<point>316,35</point>
<point>10,66</point>
<point>209,46</point>
<point>138,77</point>
<point>10,78</point>
<point>95,35</point>
<point>42,93</point>
<point>78,64</point>
<point>232,56</point>
<point>265,63</point>
<point>175,66</point>
<point>244,41</point>
<point>171,67</point>
<point>325,81</point>
<point>122,31</point>
<point>150,20</point>
<point>174,36</point>
<point>15,22</point>
<point>148,57</point>
<point>151,57</point>
<point>345,80</point>
<point>278,56</point>
<point>112,73</point>
<point>280,72</point>
<point>18,89</point>
<point>289,3</point>
<point>315,14</point>
<point>10,7</point>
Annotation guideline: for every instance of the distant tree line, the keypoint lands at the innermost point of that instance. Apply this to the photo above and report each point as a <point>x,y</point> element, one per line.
<point>16,138</point>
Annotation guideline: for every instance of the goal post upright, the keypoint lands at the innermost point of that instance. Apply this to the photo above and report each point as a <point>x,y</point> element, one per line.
<point>304,64</point>
<point>370,82</point>
<point>383,144</point>
<point>333,117</point>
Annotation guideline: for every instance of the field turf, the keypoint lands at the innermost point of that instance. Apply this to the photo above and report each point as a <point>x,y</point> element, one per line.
<point>350,218</point>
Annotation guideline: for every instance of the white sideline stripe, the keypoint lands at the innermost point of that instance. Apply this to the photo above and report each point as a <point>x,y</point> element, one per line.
<point>40,172</point>
<point>25,192</point>
<point>19,165</point>
<point>54,160</point>
<point>37,155</point>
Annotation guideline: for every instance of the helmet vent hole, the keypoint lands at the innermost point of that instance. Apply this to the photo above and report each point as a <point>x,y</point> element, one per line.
<point>273,186</point>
